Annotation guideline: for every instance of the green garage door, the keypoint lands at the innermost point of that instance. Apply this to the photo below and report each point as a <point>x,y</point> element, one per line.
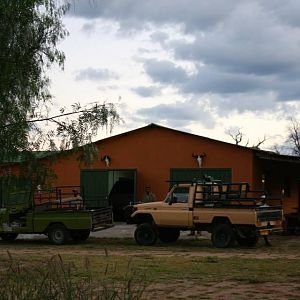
<point>223,174</point>
<point>94,184</point>
<point>102,188</point>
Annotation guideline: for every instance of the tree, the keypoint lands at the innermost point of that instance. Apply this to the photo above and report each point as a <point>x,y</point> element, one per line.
<point>294,136</point>
<point>30,31</point>
<point>237,135</point>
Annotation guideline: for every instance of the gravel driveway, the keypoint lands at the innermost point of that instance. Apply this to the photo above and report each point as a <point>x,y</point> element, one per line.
<point>123,230</point>
<point>120,230</point>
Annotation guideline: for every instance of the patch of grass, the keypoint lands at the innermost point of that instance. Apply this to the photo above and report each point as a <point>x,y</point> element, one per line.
<point>59,279</point>
<point>206,269</point>
<point>190,260</point>
<point>211,259</point>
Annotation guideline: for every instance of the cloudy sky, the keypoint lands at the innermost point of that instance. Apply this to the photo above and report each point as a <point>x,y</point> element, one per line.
<point>199,66</point>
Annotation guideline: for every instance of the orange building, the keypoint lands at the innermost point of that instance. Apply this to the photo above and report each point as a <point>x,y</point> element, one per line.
<point>153,155</point>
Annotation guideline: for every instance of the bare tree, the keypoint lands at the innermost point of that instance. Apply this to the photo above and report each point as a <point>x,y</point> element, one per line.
<point>238,136</point>
<point>260,142</point>
<point>294,136</point>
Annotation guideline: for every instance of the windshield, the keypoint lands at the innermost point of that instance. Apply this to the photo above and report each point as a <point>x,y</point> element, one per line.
<point>178,195</point>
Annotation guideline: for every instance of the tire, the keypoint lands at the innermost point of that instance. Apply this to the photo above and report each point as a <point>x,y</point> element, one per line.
<point>145,234</point>
<point>168,235</point>
<point>58,234</point>
<point>223,236</point>
<point>8,236</point>
<point>80,235</point>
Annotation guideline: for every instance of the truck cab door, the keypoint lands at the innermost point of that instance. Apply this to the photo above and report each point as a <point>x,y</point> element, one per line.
<point>175,211</point>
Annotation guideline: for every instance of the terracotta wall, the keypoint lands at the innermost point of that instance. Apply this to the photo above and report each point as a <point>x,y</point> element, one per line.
<point>153,151</point>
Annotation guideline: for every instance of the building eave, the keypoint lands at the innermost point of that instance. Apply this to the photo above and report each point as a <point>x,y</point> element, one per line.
<point>272,156</point>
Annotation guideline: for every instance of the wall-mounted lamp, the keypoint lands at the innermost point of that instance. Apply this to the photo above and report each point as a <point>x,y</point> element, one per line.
<point>106,159</point>
<point>199,158</point>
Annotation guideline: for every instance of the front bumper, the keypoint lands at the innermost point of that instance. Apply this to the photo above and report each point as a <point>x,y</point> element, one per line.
<point>266,228</point>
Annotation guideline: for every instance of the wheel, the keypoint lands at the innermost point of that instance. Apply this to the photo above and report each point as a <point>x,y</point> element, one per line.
<point>58,234</point>
<point>222,236</point>
<point>168,235</point>
<point>145,234</point>
<point>80,235</point>
<point>8,236</point>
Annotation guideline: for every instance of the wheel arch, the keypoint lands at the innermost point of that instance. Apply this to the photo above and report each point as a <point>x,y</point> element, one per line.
<point>221,220</point>
<point>143,218</point>
<point>51,224</point>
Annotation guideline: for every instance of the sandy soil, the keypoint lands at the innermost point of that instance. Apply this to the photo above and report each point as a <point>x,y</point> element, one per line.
<point>182,289</point>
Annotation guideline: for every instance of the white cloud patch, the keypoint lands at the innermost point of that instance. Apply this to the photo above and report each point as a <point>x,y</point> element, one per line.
<point>95,74</point>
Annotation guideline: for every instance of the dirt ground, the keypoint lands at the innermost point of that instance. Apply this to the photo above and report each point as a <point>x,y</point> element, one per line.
<point>223,290</point>
<point>179,288</point>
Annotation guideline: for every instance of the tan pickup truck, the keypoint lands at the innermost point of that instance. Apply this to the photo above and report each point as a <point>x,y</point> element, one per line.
<point>230,212</point>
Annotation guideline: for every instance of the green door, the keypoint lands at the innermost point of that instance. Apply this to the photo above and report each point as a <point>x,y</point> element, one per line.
<point>223,174</point>
<point>94,187</point>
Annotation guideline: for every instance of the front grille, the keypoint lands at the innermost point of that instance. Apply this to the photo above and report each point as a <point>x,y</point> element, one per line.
<point>268,215</point>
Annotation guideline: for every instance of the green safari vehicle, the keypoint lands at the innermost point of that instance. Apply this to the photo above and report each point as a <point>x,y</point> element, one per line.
<point>60,213</point>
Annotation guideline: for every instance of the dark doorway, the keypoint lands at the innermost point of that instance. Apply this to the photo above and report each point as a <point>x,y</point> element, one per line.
<point>121,195</point>
<point>292,220</point>
<point>116,188</point>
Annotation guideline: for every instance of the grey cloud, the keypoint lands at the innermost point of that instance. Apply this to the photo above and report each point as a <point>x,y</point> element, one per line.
<point>248,42</point>
<point>288,90</point>
<point>179,113</point>
<point>210,80</point>
<point>287,11</point>
<point>238,103</point>
<point>165,71</point>
<point>250,52</point>
<point>241,50</point>
<point>147,91</point>
<point>159,37</point>
<point>88,27</point>
<point>95,74</point>
<point>192,14</point>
